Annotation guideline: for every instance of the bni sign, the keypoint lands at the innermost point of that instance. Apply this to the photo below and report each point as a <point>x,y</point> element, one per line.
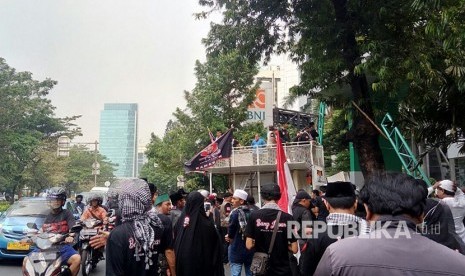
<point>261,108</point>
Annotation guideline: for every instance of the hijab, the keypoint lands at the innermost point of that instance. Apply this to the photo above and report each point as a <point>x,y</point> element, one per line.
<point>198,246</point>
<point>135,204</point>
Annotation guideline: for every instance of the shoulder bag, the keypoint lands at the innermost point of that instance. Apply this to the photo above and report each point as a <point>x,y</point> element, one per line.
<point>260,261</point>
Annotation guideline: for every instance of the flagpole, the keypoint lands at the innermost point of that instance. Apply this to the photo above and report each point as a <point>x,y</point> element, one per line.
<point>211,182</point>
<point>229,177</point>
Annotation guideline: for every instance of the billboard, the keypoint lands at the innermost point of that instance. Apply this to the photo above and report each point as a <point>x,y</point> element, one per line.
<point>261,108</point>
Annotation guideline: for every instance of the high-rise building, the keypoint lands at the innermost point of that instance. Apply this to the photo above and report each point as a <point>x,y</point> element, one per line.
<point>141,157</point>
<point>118,137</point>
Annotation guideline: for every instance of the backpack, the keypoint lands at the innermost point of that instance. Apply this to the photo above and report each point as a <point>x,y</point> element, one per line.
<point>243,216</point>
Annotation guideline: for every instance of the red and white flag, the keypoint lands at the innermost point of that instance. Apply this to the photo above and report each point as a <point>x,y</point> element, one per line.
<point>285,182</point>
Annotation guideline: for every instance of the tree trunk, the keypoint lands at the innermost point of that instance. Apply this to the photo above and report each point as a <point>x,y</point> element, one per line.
<point>363,134</point>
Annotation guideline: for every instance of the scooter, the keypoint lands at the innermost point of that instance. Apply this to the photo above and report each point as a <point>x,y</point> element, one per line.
<point>46,261</point>
<point>111,214</point>
<point>89,256</point>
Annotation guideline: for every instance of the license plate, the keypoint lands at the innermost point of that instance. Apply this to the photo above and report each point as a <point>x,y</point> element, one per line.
<point>89,232</point>
<point>17,246</point>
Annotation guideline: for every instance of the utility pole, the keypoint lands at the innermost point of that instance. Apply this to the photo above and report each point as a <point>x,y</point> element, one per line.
<point>64,145</point>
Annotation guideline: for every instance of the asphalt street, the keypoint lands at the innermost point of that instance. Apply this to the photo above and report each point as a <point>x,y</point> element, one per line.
<point>13,268</point>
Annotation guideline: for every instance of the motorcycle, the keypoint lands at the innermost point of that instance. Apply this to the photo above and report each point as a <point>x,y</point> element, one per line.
<point>46,261</point>
<point>89,256</point>
<point>111,224</point>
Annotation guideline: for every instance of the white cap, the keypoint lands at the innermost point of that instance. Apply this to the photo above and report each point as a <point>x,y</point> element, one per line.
<point>238,193</point>
<point>447,185</point>
<point>204,193</point>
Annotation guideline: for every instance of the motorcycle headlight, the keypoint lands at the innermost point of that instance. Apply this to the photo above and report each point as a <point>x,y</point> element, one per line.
<point>91,223</point>
<point>43,243</point>
<point>55,238</point>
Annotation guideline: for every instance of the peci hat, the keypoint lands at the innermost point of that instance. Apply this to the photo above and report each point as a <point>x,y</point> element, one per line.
<point>238,193</point>
<point>204,193</point>
<point>447,185</point>
<point>162,198</point>
<point>340,189</point>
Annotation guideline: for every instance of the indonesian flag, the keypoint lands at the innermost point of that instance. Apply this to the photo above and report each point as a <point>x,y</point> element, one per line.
<point>286,185</point>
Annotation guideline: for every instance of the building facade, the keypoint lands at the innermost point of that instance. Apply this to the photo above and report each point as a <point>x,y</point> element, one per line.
<point>118,137</point>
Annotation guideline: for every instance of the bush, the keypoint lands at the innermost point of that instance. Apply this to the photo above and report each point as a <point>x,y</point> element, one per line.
<point>4,206</point>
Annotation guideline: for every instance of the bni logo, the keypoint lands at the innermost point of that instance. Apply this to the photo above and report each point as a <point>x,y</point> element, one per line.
<point>259,101</point>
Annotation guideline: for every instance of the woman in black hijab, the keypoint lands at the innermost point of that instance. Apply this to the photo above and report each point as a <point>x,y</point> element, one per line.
<point>198,247</point>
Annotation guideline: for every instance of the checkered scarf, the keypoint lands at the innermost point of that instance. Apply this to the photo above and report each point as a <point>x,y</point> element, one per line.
<point>135,204</point>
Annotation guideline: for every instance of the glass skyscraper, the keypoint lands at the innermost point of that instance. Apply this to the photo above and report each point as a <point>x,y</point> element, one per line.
<point>118,137</point>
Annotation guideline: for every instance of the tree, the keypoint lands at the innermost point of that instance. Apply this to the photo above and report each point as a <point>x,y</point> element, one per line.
<point>224,89</point>
<point>79,169</point>
<point>439,78</point>
<point>339,42</point>
<point>335,143</point>
<point>27,122</point>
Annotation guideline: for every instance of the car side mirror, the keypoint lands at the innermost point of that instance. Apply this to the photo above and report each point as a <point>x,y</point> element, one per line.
<point>32,225</point>
<point>76,228</point>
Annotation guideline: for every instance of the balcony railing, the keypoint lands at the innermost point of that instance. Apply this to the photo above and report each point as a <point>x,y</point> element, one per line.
<point>296,153</point>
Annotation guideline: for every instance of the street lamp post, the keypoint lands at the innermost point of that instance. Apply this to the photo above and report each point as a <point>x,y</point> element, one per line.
<point>64,144</point>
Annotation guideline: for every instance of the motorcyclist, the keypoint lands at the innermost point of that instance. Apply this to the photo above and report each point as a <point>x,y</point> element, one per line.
<point>60,221</point>
<point>100,240</point>
<point>80,206</point>
<point>95,209</point>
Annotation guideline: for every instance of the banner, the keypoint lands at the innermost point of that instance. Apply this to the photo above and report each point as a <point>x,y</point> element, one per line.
<point>221,148</point>
<point>285,182</point>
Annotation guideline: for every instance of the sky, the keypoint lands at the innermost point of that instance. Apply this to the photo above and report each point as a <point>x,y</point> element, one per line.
<point>107,51</point>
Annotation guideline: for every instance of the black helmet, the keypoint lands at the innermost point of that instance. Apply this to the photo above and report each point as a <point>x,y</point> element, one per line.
<point>97,197</point>
<point>57,193</point>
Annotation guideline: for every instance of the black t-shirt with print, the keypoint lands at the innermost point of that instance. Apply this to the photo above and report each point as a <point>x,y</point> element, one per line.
<point>59,223</point>
<point>167,241</point>
<point>121,253</point>
<point>260,228</point>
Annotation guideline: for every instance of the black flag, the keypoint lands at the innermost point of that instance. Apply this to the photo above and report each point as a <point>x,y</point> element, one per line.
<point>221,148</point>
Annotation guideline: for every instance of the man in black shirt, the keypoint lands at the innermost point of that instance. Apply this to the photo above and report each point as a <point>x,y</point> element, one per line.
<point>259,231</point>
<point>163,205</point>
<point>133,247</point>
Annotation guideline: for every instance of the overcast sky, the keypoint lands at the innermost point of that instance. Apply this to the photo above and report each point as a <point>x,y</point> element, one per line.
<point>107,51</point>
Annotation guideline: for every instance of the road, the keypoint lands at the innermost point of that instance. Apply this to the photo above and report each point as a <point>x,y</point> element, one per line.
<point>14,268</point>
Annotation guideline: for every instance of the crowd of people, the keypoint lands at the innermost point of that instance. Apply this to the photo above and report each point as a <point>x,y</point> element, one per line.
<point>307,135</point>
<point>400,231</point>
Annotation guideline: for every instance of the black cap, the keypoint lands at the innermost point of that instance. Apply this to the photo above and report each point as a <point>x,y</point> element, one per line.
<point>302,194</point>
<point>340,189</point>
<point>271,189</point>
